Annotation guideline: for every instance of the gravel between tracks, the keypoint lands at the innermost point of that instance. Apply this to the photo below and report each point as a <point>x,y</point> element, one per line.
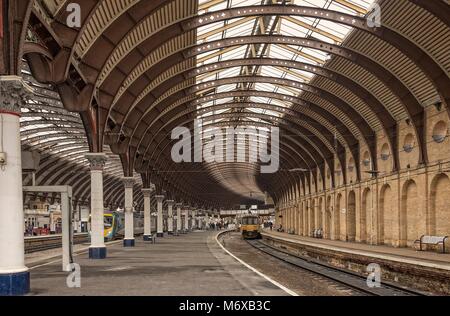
<point>302,282</point>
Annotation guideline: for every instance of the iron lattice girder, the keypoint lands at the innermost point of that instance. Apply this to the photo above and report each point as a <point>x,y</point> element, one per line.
<point>342,80</point>
<point>337,13</point>
<point>414,109</point>
<point>331,98</point>
<point>166,165</point>
<point>415,1</point>
<point>175,121</point>
<point>193,101</point>
<point>402,43</point>
<point>154,159</point>
<point>175,178</point>
<point>381,73</point>
<point>312,150</point>
<point>320,11</point>
<point>291,120</point>
<point>300,152</point>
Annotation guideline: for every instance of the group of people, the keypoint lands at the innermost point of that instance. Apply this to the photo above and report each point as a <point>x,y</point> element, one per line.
<point>219,225</point>
<point>268,224</point>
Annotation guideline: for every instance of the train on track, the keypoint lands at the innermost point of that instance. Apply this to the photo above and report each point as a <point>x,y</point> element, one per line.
<point>250,226</point>
<point>114,224</point>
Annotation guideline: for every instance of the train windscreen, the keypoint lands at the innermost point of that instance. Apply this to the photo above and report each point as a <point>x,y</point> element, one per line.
<point>108,221</point>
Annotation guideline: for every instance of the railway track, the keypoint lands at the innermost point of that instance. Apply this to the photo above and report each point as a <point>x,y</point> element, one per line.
<point>343,277</point>
<point>41,243</point>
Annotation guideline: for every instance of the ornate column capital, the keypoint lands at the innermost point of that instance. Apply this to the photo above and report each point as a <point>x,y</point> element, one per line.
<point>159,198</point>
<point>170,202</point>
<point>179,205</point>
<point>96,160</point>
<point>14,93</point>
<point>128,182</point>
<point>146,192</point>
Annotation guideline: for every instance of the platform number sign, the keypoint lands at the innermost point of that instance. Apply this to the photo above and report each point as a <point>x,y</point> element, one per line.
<point>374,278</point>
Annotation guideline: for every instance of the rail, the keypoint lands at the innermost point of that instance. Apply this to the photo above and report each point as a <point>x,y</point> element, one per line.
<point>41,243</point>
<point>347,278</point>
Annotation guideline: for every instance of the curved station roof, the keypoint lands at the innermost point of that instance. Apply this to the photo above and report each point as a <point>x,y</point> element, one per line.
<point>332,75</point>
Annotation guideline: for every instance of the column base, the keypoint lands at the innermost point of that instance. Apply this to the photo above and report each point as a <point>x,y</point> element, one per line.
<point>170,233</point>
<point>148,238</point>
<point>160,235</point>
<point>15,284</point>
<point>97,253</point>
<point>128,242</point>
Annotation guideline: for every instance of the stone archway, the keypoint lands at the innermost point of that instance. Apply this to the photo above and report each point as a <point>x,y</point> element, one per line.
<point>440,206</point>
<point>366,216</point>
<point>409,215</point>
<point>351,217</point>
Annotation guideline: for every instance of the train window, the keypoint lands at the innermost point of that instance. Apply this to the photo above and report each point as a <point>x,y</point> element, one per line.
<point>250,221</point>
<point>108,221</point>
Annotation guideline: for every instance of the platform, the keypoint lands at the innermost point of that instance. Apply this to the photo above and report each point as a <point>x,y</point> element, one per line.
<point>189,265</point>
<point>430,270</point>
<point>406,255</point>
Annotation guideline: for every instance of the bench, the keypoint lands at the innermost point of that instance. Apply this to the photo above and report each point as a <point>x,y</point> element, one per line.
<point>151,238</point>
<point>432,240</point>
<point>317,233</point>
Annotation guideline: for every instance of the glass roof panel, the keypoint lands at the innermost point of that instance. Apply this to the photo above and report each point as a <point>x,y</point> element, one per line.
<point>296,26</point>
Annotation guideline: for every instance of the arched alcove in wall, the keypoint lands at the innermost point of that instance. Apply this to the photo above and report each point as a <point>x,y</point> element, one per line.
<point>385,215</point>
<point>312,218</point>
<point>440,206</point>
<point>351,217</point>
<point>320,214</point>
<point>366,215</point>
<point>337,217</point>
<point>328,212</point>
<point>410,215</point>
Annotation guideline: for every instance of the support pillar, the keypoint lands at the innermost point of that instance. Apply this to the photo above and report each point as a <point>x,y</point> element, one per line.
<point>193,220</point>
<point>147,215</point>
<point>160,220</point>
<point>97,250</point>
<point>170,216</point>
<point>14,275</point>
<point>186,220</point>
<point>129,218</point>
<point>179,217</point>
